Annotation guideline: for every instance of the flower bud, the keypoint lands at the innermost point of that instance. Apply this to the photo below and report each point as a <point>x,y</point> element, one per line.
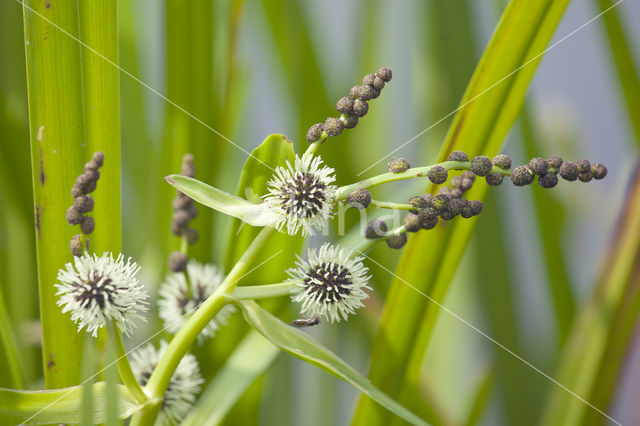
<point>503,161</point>
<point>350,121</point>
<point>181,202</point>
<point>494,179</point>
<point>76,191</point>
<point>354,93</point>
<point>376,228</point>
<point>385,74</point>
<point>177,261</point>
<point>456,181</point>
<point>360,198</point>
<point>76,245</point>
<point>466,184</point>
<point>474,206</point>
<point>360,108</point>
<point>98,158</point>
<point>378,83</point>
<point>181,218</point>
<point>458,156</point>
<point>428,218</point>
<point>585,177</point>
<point>481,165</point>
<point>418,202</point>
<point>87,225</point>
<point>368,80</point>
<point>468,174</point>
<point>397,241</point>
<point>333,126</point>
<point>188,167</point>
<point>428,198</point>
<point>548,180</point>
<point>345,105</point>
<point>583,166</point>
<point>456,193</point>
<point>539,165</point>
<point>192,211</point>
<point>398,166</point>
<point>456,205</point>
<point>568,171</point>
<point>412,223</point>
<point>445,190</point>
<point>521,176</point>
<point>315,132</point>
<point>191,235</point>
<point>73,216</point>
<point>599,170</point>
<point>440,203</point>
<point>438,174</point>
<point>83,203</point>
<point>367,92</point>
<point>555,162</point>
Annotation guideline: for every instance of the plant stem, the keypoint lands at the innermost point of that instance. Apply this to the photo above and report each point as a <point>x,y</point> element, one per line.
<point>124,367</point>
<point>181,343</point>
<point>394,206</point>
<point>263,291</point>
<point>415,172</point>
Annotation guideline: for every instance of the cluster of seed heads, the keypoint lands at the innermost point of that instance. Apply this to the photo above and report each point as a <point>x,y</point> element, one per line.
<point>548,170</point>
<point>83,203</point>
<point>351,107</point>
<point>184,211</point>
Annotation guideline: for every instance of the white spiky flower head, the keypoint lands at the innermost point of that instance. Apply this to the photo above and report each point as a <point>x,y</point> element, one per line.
<point>178,300</point>
<point>331,283</point>
<point>99,289</point>
<point>303,194</point>
<point>184,385</point>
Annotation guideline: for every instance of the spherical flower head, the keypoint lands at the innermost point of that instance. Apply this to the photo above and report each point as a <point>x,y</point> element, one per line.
<point>376,228</point>
<point>304,195</point>
<point>494,179</point>
<point>397,241</point>
<point>398,166</point>
<point>503,161</point>
<point>458,156</point>
<point>178,300</point>
<point>100,289</point>
<point>599,170</point>
<point>568,171</point>
<point>481,165</point>
<point>359,198</point>
<point>345,105</point>
<point>548,180</point>
<point>333,126</point>
<point>412,223</point>
<point>184,385</point>
<point>521,176</point>
<point>438,174</point>
<point>315,132</point>
<point>331,284</point>
<point>539,165</point>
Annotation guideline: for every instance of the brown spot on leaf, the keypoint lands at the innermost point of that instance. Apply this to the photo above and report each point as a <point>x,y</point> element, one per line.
<point>51,363</point>
<point>47,4</point>
<point>38,221</point>
<point>42,175</point>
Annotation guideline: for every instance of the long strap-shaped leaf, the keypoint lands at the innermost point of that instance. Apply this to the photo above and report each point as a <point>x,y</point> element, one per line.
<point>302,346</point>
<point>60,405</point>
<point>488,109</point>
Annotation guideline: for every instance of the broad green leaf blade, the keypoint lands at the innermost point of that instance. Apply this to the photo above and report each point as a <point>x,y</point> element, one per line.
<point>58,154</point>
<point>241,369</point>
<point>9,347</point>
<point>253,214</point>
<point>274,151</point>
<point>593,357</point>
<point>626,65</point>
<point>481,399</point>
<point>300,345</point>
<point>60,405</point>
<point>488,109</point>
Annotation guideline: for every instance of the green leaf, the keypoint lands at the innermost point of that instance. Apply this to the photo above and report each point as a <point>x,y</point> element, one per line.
<point>9,346</point>
<point>253,214</point>
<point>488,109</point>
<point>60,405</point>
<point>241,369</point>
<point>481,395</point>
<point>300,345</point>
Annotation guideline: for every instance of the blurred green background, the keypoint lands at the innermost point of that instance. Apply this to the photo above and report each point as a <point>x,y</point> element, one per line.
<point>251,68</point>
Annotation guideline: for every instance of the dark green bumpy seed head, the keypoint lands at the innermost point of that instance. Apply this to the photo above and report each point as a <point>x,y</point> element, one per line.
<point>583,166</point>
<point>548,180</point>
<point>481,165</point>
<point>539,165</point>
<point>568,171</point>
<point>418,202</point>
<point>376,228</point>
<point>397,241</point>
<point>494,179</point>
<point>438,174</point>
<point>521,176</point>
<point>440,203</point>
<point>350,121</point>
<point>398,166</point>
<point>360,108</point>
<point>412,223</point>
<point>360,198</point>
<point>333,126</point>
<point>458,156</point>
<point>599,170</point>
<point>503,161</point>
<point>315,132</point>
<point>345,105</point>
